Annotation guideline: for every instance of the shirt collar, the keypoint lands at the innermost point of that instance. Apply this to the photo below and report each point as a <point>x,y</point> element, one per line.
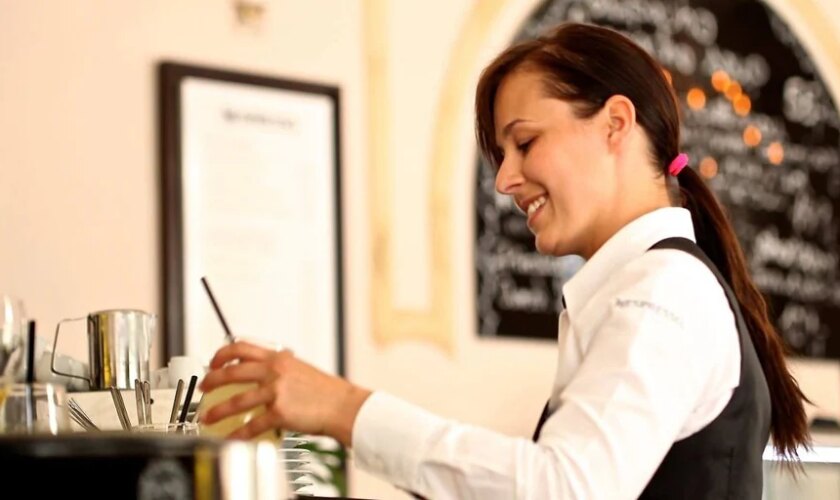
<point>629,242</point>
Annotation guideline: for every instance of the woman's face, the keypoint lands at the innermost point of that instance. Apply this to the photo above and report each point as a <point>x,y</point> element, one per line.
<point>556,166</point>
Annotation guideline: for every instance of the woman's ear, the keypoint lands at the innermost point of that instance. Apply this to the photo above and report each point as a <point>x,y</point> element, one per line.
<point>621,120</point>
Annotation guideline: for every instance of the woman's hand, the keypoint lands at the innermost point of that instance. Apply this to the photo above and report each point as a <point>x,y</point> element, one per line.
<point>297,396</point>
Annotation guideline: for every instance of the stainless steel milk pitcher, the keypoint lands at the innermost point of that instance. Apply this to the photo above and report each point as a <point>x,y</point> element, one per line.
<point>119,347</point>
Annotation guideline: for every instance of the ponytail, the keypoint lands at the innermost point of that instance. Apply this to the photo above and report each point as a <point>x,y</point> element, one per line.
<point>715,236</point>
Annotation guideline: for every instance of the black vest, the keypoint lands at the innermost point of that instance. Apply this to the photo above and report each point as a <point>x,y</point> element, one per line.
<point>724,459</point>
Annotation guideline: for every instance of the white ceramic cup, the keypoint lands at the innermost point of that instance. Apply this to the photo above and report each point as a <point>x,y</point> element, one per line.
<point>184,367</point>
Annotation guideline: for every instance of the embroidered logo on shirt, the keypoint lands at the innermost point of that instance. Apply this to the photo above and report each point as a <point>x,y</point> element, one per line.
<point>650,306</point>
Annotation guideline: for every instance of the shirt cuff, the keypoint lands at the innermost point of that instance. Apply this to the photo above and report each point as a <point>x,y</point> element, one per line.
<point>391,436</point>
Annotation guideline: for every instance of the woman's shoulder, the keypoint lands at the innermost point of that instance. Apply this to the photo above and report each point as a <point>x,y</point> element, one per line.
<point>667,275</point>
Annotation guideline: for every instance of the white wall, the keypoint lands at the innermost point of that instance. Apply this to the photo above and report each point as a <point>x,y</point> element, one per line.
<point>79,214</point>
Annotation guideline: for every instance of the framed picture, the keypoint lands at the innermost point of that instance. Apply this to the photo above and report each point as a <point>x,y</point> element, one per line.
<point>251,201</point>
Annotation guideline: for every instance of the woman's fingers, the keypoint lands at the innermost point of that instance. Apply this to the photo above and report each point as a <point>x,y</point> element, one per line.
<point>266,421</point>
<point>239,350</point>
<point>249,371</point>
<point>238,404</point>
<point>295,395</point>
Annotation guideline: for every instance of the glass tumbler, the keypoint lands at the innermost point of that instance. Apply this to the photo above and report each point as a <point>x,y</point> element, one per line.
<point>12,334</point>
<point>36,408</point>
<point>224,393</point>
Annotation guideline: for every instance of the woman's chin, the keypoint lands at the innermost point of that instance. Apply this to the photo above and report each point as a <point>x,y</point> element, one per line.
<point>550,246</point>
<point>544,246</point>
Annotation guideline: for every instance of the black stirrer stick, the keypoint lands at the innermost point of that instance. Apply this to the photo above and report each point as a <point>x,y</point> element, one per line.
<point>228,333</point>
<point>188,399</point>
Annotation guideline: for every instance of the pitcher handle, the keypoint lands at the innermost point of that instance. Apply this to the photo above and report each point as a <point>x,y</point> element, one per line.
<point>55,346</point>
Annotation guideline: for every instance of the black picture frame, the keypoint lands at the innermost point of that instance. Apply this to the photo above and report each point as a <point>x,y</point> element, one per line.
<point>171,78</point>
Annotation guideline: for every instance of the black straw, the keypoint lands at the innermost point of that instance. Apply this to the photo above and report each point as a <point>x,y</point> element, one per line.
<point>29,403</point>
<point>188,399</point>
<point>228,333</point>
<point>30,354</point>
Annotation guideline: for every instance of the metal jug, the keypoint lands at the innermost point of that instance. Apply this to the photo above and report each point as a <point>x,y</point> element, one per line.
<point>119,347</point>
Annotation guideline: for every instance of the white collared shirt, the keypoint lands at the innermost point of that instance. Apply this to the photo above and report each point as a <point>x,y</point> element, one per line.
<point>648,355</point>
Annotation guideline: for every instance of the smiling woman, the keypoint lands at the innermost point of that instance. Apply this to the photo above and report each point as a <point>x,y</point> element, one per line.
<point>584,128</point>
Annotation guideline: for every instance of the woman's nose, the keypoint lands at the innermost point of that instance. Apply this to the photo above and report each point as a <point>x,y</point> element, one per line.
<point>508,177</point>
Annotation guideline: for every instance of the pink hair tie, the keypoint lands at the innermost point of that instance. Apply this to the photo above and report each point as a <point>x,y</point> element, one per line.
<point>678,164</point>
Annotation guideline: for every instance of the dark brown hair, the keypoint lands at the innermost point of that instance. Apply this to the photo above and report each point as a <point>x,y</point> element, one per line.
<point>585,65</point>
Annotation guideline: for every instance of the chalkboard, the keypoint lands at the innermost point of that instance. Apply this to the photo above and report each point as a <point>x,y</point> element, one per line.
<point>759,125</point>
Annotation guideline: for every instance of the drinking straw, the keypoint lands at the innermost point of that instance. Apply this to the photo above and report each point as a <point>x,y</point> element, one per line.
<point>228,333</point>
<point>29,402</point>
<point>188,399</point>
<point>30,354</point>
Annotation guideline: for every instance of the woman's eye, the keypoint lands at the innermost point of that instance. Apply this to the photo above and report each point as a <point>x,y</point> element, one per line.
<point>524,146</point>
